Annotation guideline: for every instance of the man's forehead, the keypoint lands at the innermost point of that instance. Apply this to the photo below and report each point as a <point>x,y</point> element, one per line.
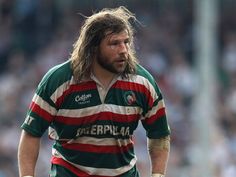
<point>114,36</point>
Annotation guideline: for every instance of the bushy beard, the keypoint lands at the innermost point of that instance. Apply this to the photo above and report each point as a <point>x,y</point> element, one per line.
<point>104,62</point>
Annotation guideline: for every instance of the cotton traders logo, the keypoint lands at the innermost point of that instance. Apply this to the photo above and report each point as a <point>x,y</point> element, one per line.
<point>130,97</point>
<point>83,99</point>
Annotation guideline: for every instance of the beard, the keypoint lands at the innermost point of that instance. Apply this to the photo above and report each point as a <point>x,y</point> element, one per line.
<point>116,66</point>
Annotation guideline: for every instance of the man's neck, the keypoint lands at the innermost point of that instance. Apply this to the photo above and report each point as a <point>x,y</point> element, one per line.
<point>104,76</point>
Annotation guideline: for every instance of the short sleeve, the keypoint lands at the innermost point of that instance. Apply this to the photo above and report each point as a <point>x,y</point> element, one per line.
<point>155,120</point>
<point>154,111</point>
<point>41,111</point>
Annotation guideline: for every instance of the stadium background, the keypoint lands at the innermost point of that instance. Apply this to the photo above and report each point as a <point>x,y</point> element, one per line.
<point>35,35</point>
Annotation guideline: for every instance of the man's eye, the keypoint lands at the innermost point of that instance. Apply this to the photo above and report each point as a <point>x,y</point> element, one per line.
<point>114,43</point>
<point>127,42</point>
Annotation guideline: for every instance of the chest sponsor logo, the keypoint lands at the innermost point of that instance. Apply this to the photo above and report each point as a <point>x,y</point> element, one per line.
<point>83,99</point>
<point>103,130</point>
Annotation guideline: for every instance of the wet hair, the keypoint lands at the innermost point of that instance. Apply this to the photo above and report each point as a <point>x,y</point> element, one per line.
<point>93,31</point>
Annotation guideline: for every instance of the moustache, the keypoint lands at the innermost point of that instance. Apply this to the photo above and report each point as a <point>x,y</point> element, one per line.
<point>122,58</point>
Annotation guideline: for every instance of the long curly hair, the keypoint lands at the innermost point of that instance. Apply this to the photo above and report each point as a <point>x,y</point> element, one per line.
<point>93,31</point>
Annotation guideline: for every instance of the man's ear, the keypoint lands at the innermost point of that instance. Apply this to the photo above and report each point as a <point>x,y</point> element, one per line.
<point>95,51</point>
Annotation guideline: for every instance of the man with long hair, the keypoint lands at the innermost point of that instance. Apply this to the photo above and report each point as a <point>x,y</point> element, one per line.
<point>92,104</point>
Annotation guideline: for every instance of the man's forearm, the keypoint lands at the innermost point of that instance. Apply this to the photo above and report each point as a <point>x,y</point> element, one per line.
<point>27,154</point>
<point>159,154</point>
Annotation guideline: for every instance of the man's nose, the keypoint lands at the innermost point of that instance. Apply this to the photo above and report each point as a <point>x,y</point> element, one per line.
<point>123,48</point>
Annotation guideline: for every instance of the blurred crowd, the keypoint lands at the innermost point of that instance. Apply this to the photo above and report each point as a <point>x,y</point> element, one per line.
<point>36,35</point>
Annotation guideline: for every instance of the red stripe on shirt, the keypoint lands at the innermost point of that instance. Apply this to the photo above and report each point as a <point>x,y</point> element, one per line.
<point>97,149</point>
<point>124,85</point>
<point>71,168</point>
<point>90,85</point>
<point>41,112</point>
<point>100,116</point>
<point>161,112</point>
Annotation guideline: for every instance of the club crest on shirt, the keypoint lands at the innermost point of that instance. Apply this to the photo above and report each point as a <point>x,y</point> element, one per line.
<point>130,97</point>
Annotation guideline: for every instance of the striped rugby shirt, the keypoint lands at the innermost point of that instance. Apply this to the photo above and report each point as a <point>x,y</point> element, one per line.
<point>93,127</point>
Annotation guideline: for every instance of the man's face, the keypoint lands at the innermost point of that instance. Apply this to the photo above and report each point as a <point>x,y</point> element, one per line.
<point>113,52</point>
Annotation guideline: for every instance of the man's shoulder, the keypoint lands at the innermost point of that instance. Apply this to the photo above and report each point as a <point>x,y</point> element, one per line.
<point>61,69</point>
<point>141,71</point>
<point>57,75</point>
